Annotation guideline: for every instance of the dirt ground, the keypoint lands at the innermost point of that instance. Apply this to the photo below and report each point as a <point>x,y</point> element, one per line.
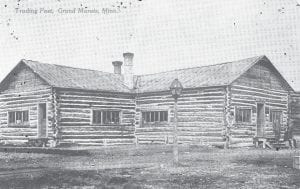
<point>150,166</point>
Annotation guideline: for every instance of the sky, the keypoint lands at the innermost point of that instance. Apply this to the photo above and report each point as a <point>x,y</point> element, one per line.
<point>163,35</point>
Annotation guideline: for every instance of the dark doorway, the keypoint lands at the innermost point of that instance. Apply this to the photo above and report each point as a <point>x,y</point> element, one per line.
<point>275,118</point>
<point>42,120</point>
<point>260,119</point>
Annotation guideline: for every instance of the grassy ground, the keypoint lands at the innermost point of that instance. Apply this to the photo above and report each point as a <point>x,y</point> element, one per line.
<point>151,167</point>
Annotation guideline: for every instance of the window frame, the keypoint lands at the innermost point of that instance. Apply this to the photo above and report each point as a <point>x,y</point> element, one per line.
<point>23,121</point>
<point>102,119</point>
<point>157,116</point>
<point>242,110</point>
<point>275,111</point>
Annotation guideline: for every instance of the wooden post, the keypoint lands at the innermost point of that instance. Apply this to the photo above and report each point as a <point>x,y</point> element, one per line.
<point>228,118</point>
<point>176,89</point>
<point>175,134</point>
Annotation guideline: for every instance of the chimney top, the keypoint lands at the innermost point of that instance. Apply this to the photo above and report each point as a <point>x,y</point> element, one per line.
<point>117,67</point>
<point>128,54</point>
<point>128,72</point>
<point>117,63</point>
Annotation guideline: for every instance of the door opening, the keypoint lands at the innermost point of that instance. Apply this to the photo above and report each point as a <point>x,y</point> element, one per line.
<point>260,121</point>
<point>276,118</point>
<point>42,120</point>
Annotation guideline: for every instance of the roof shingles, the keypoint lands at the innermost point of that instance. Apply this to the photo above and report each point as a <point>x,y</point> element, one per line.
<point>205,76</point>
<point>68,77</point>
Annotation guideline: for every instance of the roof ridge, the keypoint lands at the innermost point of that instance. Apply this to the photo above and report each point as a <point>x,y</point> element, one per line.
<point>210,65</point>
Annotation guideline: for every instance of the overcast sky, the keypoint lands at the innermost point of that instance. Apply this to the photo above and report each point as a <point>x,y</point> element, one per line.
<point>163,35</point>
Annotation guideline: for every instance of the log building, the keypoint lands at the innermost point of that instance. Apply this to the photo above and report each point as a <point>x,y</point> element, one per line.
<point>87,107</point>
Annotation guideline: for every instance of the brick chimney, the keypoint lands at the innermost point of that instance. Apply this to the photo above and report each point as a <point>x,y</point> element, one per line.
<point>128,72</point>
<point>117,67</point>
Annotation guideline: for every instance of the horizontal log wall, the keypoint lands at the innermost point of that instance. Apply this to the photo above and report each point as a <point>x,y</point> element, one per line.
<point>17,101</point>
<point>248,97</point>
<point>259,84</point>
<point>74,117</point>
<point>200,117</point>
<point>295,117</point>
<point>23,90</point>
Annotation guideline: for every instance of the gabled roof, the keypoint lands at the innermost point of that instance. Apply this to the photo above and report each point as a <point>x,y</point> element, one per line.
<point>76,78</point>
<point>206,76</point>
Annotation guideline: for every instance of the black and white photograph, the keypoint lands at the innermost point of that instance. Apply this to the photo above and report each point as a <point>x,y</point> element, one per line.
<point>150,94</point>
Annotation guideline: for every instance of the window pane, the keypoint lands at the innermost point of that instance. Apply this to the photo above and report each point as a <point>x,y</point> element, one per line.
<point>108,117</point>
<point>111,117</point>
<point>152,117</point>
<point>96,116</point>
<point>18,117</point>
<point>105,117</point>
<point>166,115</point>
<point>147,116</point>
<point>115,117</point>
<point>240,116</point>
<point>243,115</point>
<point>275,116</point>
<point>162,116</point>
<point>143,116</point>
<point>156,116</point>
<point>11,117</point>
<point>25,116</point>
<point>99,117</point>
<point>247,115</point>
<point>110,120</point>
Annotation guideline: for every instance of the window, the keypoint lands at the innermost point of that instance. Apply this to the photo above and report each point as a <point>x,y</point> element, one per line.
<point>18,117</point>
<point>106,117</point>
<point>243,115</point>
<point>275,116</point>
<point>97,115</point>
<point>25,116</point>
<point>11,117</point>
<point>155,116</point>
